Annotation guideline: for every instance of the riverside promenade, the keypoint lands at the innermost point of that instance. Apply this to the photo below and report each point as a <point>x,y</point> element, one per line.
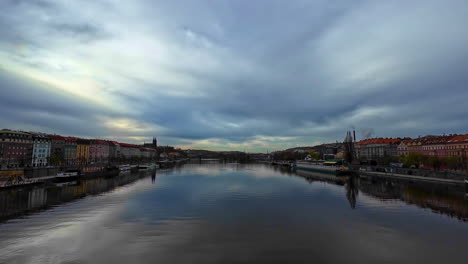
<point>410,177</point>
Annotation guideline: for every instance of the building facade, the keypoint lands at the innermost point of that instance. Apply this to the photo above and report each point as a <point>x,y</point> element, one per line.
<point>458,147</point>
<point>42,146</point>
<point>436,146</point>
<point>402,149</point>
<point>82,151</point>
<point>70,151</point>
<point>99,151</point>
<point>377,148</point>
<point>15,149</point>
<point>57,154</point>
<point>125,151</point>
<point>114,151</point>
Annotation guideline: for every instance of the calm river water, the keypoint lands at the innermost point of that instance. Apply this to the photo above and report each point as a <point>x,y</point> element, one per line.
<point>231,213</point>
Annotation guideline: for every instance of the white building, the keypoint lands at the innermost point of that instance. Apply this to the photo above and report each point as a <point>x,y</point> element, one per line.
<point>42,145</point>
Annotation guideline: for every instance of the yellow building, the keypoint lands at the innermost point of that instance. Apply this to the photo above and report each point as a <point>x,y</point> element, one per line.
<point>82,151</point>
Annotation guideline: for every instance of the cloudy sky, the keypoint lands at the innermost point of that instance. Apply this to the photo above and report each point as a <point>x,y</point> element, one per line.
<point>251,75</point>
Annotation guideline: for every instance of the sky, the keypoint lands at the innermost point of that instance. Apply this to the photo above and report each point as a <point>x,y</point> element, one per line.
<point>234,75</point>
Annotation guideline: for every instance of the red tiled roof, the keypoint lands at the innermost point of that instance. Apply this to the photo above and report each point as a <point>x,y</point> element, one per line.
<point>100,141</point>
<point>406,141</point>
<point>56,137</point>
<point>432,140</point>
<point>379,141</point>
<point>128,145</point>
<point>458,139</point>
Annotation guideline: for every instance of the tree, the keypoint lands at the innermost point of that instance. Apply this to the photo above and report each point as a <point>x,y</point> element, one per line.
<point>55,160</point>
<point>452,163</point>
<point>314,155</point>
<point>416,159</point>
<point>435,162</point>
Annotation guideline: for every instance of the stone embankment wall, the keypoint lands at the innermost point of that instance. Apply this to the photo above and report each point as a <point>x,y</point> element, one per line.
<point>11,173</point>
<point>40,172</point>
<point>452,175</point>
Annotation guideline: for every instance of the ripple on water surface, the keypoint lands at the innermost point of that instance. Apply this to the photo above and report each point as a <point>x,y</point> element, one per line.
<point>236,214</point>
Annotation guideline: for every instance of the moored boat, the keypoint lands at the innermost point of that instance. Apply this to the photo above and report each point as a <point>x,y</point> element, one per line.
<point>107,172</point>
<point>334,167</point>
<point>68,175</point>
<point>144,167</point>
<point>125,167</point>
<point>134,168</point>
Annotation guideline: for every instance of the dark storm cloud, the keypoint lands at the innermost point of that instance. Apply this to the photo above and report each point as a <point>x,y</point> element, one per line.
<point>235,71</point>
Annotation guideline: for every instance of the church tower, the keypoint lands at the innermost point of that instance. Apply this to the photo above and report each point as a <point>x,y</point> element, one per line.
<point>155,143</point>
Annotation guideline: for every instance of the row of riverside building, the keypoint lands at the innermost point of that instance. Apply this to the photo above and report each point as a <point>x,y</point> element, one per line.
<point>31,149</point>
<point>436,146</point>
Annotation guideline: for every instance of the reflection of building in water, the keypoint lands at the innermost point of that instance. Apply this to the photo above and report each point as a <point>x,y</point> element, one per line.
<point>37,198</point>
<point>316,176</point>
<point>382,190</point>
<point>448,200</point>
<point>153,176</point>
<point>14,202</point>
<point>352,183</point>
<point>437,202</point>
<point>352,190</point>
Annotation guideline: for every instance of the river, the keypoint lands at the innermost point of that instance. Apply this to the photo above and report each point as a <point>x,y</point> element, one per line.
<point>234,213</point>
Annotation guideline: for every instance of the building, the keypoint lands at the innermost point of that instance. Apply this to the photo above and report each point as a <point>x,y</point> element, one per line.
<point>125,151</point>
<point>402,149</point>
<point>430,145</point>
<point>145,153</point>
<point>57,153</point>
<point>328,150</point>
<point>174,155</point>
<point>99,150</point>
<point>134,151</point>
<point>114,151</point>
<point>153,145</point>
<point>377,148</point>
<point>42,146</point>
<point>70,151</point>
<point>15,149</point>
<point>458,147</point>
<point>82,151</point>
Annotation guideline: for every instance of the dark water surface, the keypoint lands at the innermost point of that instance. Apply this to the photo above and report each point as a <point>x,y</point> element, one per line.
<point>233,213</point>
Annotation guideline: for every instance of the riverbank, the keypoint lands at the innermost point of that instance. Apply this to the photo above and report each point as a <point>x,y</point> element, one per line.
<point>410,177</point>
<point>411,174</point>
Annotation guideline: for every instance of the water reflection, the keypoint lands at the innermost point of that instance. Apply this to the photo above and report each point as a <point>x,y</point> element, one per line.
<point>449,200</point>
<point>153,176</point>
<point>352,191</point>
<point>236,213</point>
<point>16,202</point>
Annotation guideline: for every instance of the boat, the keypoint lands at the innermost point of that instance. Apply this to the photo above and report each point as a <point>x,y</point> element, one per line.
<point>68,175</point>
<point>334,167</point>
<point>125,167</point>
<point>143,167</point>
<point>110,172</point>
<point>106,172</point>
<point>12,183</point>
<point>312,176</point>
<point>134,168</point>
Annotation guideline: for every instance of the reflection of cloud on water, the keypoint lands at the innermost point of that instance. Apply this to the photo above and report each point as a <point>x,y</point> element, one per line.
<point>51,236</point>
<point>235,217</point>
<point>374,202</point>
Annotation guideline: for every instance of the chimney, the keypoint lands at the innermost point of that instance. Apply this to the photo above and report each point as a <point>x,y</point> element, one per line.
<point>354,135</point>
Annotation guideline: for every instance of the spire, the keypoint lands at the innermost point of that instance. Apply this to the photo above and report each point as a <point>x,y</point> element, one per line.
<point>155,143</point>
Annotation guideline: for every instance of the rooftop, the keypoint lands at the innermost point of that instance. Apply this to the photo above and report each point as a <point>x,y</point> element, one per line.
<point>379,141</point>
